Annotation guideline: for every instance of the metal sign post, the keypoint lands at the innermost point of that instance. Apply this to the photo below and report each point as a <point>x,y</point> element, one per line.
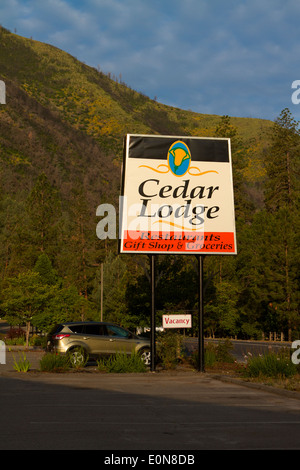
<point>201,367</point>
<point>153,323</point>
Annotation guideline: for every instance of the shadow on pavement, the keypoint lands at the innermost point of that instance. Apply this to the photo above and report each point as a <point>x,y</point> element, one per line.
<point>188,411</point>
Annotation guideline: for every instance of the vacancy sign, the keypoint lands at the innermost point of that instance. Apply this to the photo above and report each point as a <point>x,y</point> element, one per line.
<point>177,196</point>
<point>177,321</point>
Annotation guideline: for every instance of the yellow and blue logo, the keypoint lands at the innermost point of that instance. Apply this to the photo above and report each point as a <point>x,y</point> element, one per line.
<point>179,158</point>
<point>179,162</point>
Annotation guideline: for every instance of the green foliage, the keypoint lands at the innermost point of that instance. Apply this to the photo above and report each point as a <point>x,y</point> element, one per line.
<point>52,362</point>
<point>43,267</point>
<point>282,163</point>
<point>21,364</point>
<point>65,305</point>
<point>115,282</point>
<point>169,349</point>
<point>43,208</point>
<point>24,297</point>
<point>223,309</point>
<point>15,336</point>
<point>215,353</point>
<point>36,297</point>
<point>122,363</point>
<point>270,365</point>
<point>219,352</point>
<point>210,357</point>
<point>38,341</point>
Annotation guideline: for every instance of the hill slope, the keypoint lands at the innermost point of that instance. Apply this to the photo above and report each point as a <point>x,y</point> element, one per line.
<point>68,120</point>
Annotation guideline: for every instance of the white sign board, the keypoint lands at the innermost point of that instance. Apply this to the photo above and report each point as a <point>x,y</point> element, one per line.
<point>177,196</point>
<point>177,321</point>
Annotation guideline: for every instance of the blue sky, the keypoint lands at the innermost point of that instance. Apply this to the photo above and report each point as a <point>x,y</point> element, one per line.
<point>235,57</point>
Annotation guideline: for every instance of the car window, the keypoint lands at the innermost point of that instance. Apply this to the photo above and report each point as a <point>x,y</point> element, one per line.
<point>76,328</point>
<point>56,329</point>
<point>113,330</point>
<point>98,330</point>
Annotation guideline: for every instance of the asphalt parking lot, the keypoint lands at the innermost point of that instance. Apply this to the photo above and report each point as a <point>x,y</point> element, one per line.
<point>160,411</point>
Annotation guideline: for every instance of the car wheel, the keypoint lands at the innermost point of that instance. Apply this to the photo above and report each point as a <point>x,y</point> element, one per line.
<point>78,357</point>
<point>146,356</point>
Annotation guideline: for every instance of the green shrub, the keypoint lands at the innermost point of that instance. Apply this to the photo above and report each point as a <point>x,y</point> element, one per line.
<point>270,365</point>
<point>210,356</point>
<point>214,353</point>
<point>52,362</point>
<point>21,365</point>
<point>15,336</point>
<point>122,363</point>
<point>169,349</point>
<point>15,341</point>
<point>223,349</point>
<point>37,340</point>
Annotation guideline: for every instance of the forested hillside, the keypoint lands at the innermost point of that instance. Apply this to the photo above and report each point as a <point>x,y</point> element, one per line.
<point>61,137</point>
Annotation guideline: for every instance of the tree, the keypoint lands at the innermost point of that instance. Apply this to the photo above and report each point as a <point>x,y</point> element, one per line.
<point>243,205</point>
<point>37,297</point>
<point>44,211</point>
<point>282,202</point>
<point>24,297</point>
<point>282,163</point>
<point>43,267</point>
<point>115,281</point>
<point>222,313</point>
<point>77,256</point>
<point>268,272</point>
<point>64,305</point>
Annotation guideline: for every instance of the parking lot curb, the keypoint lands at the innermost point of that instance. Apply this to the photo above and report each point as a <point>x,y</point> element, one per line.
<point>258,386</point>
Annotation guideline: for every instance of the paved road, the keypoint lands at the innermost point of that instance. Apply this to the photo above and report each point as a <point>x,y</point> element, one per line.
<point>183,411</point>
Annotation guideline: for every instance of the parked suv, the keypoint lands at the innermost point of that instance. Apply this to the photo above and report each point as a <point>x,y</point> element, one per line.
<point>81,340</point>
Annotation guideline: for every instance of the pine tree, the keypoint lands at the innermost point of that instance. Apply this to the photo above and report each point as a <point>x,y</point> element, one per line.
<point>44,211</point>
<point>282,164</point>
<point>243,205</point>
<point>282,203</point>
<point>43,267</point>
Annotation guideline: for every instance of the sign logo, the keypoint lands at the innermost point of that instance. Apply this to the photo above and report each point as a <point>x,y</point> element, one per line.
<point>179,158</point>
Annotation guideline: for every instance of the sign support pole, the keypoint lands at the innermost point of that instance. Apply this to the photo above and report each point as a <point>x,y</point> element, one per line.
<point>153,324</point>
<point>200,315</point>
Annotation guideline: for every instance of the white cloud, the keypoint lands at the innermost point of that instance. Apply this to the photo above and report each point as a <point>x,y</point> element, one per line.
<point>226,57</point>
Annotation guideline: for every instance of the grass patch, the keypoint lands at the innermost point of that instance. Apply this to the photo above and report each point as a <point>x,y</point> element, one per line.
<point>52,362</point>
<point>169,349</point>
<point>22,364</point>
<point>270,365</point>
<point>215,354</point>
<point>122,363</point>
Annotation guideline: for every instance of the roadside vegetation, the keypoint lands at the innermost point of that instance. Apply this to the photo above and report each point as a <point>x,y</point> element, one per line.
<point>274,369</point>
<point>122,363</point>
